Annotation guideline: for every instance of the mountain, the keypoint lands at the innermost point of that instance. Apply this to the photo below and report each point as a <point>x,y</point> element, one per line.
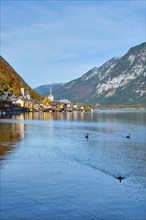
<point>118,81</point>
<point>12,82</point>
<point>44,90</point>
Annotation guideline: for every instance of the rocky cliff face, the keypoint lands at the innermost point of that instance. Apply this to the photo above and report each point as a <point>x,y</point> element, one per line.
<point>118,81</point>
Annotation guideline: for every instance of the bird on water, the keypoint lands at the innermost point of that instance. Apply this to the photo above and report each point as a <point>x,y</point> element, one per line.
<point>87,136</point>
<point>128,136</point>
<point>120,178</point>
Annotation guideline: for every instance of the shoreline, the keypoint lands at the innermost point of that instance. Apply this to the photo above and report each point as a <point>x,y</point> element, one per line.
<point>3,113</point>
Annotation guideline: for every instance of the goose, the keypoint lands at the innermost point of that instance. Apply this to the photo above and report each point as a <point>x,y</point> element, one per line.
<point>120,178</point>
<point>128,136</point>
<point>87,136</point>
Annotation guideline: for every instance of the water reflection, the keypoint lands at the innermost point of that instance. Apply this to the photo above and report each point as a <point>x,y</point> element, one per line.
<point>133,117</point>
<point>57,174</point>
<point>10,134</point>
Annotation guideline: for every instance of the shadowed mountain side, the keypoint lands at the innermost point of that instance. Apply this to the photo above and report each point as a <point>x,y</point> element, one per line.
<point>44,90</point>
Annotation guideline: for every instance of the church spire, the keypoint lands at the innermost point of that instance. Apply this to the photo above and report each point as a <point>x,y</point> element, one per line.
<point>50,91</point>
<point>51,97</point>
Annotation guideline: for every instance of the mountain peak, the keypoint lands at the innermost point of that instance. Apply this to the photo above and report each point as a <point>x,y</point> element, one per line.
<point>120,80</point>
<point>137,49</point>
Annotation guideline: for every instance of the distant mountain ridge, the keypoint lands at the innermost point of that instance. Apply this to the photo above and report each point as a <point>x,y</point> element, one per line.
<point>11,81</point>
<point>44,90</point>
<point>118,81</point>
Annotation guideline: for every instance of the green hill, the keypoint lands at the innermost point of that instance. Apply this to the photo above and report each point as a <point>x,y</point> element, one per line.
<point>11,81</point>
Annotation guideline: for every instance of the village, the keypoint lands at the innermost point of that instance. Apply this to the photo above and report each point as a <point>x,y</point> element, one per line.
<point>9,103</point>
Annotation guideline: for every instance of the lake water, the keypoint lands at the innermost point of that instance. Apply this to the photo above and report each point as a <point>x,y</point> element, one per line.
<point>50,171</point>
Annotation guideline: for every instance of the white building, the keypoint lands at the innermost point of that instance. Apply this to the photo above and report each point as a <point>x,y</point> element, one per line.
<point>22,91</point>
<point>50,96</point>
<point>25,93</point>
<point>65,101</point>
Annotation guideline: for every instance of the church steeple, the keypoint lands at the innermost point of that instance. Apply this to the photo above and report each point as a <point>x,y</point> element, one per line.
<point>50,96</point>
<point>50,91</point>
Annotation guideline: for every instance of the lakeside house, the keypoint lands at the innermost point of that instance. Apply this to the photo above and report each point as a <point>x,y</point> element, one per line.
<point>11,103</point>
<point>5,105</point>
<point>26,105</point>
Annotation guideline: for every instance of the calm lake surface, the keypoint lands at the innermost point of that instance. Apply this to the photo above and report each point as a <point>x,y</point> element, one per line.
<point>49,171</point>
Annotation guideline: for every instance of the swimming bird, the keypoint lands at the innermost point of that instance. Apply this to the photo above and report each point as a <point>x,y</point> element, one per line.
<point>87,136</point>
<point>120,178</point>
<point>128,136</point>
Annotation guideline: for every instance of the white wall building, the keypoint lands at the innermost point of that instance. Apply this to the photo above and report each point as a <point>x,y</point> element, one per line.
<point>65,101</point>
<point>50,96</point>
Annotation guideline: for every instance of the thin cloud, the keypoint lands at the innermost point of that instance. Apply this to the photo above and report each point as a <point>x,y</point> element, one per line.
<point>53,34</point>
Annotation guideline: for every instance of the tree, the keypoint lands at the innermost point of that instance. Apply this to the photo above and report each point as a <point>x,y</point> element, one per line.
<point>11,90</point>
<point>46,100</point>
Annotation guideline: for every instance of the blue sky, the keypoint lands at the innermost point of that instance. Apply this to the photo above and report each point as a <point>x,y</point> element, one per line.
<point>57,41</point>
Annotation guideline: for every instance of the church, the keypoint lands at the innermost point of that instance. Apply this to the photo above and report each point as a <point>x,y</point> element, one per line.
<point>50,96</point>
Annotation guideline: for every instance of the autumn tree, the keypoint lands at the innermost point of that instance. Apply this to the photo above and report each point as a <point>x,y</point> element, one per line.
<point>46,100</point>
